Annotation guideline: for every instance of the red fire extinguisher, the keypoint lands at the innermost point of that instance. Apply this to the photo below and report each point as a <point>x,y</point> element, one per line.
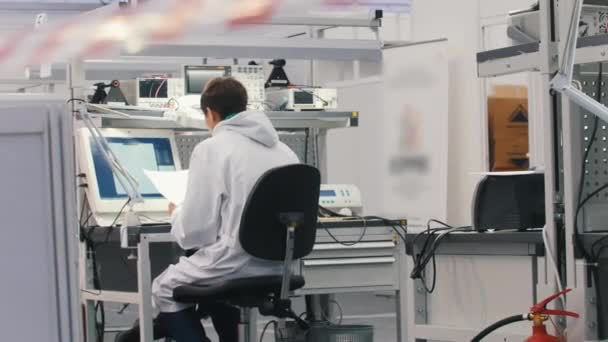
<point>538,314</point>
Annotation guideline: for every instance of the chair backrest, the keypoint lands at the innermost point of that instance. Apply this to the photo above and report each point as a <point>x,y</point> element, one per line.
<point>283,190</point>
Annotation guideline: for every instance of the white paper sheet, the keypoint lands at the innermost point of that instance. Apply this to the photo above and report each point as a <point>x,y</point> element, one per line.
<point>171,184</point>
<point>509,173</point>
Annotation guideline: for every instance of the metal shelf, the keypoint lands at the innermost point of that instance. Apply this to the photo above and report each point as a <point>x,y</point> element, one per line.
<point>526,57</point>
<point>509,60</point>
<point>263,47</point>
<point>153,119</point>
<point>322,120</point>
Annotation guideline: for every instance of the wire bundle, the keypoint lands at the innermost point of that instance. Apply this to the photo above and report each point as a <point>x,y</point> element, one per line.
<point>427,253</point>
<point>92,246</point>
<point>325,212</point>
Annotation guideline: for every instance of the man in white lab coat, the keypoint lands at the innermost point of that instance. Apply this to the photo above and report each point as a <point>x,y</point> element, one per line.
<point>223,170</point>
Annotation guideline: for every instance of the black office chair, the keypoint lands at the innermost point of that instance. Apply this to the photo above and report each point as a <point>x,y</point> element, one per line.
<point>279,224</point>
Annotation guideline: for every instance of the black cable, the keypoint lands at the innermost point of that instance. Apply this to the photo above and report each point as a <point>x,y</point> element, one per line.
<point>423,259</point>
<point>416,257</point>
<point>325,212</point>
<point>598,298</point>
<point>428,251</point>
<point>347,244</point>
<point>424,280</point>
<point>75,99</point>
<point>280,333</point>
<point>506,321</point>
<point>120,212</point>
<point>113,225</point>
<point>306,142</point>
<point>596,243</point>
<point>393,224</point>
<point>438,222</point>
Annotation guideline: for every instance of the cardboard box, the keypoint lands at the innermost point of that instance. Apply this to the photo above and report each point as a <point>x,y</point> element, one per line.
<point>508,119</point>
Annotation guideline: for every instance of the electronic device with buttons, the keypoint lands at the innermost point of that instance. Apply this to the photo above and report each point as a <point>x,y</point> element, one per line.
<point>251,76</point>
<point>342,198</point>
<point>152,92</point>
<point>302,99</point>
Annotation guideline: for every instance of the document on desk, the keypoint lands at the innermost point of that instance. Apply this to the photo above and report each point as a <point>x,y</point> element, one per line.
<point>171,184</point>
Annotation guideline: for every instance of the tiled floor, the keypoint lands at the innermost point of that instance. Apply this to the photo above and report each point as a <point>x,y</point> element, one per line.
<point>373,309</point>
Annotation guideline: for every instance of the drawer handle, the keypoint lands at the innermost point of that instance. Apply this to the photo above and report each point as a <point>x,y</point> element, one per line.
<point>361,245</point>
<point>350,261</point>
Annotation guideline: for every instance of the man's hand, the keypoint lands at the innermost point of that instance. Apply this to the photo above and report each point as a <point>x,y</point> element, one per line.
<point>171,208</point>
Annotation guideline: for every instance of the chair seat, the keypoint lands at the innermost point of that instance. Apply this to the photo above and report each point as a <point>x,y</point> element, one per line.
<point>233,290</point>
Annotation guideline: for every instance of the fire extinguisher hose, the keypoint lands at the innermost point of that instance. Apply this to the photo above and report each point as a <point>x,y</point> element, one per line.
<point>506,321</point>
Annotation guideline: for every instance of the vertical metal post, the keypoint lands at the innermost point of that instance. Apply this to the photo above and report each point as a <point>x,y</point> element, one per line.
<point>244,326</point>
<point>572,161</point>
<point>570,152</point>
<point>403,335</point>
<point>144,281</point>
<point>548,67</point>
<point>313,33</point>
<point>253,325</point>
<point>76,80</point>
<point>88,310</point>
<point>320,149</point>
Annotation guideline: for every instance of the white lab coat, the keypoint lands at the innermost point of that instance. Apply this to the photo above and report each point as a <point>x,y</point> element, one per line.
<point>223,170</point>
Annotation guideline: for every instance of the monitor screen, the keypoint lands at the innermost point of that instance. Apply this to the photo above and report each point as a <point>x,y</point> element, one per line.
<point>197,78</point>
<point>135,155</point>
<point>153,88</point>
<point>303,97</point>
<point>327,193</point>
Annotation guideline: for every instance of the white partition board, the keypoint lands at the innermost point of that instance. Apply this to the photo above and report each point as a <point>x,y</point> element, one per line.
<point>38,291</point>
<point>399,154</point>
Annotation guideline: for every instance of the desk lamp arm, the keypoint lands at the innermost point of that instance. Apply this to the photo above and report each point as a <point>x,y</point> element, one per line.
<point>562,82</point>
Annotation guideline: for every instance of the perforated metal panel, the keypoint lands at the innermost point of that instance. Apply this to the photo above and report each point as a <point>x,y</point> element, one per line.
<point>300,142</point>
<point>596,165</point>
<point>597,162</point>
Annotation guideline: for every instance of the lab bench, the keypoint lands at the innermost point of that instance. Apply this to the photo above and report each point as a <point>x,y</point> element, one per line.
<point>344,250</point>
<point>481,277</point>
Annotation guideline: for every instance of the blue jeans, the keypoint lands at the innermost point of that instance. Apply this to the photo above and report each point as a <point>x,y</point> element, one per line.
<point>185,325</point>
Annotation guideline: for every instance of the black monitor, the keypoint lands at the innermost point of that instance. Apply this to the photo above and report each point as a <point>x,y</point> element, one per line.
<point>197,76</point>
<point>510,202</point>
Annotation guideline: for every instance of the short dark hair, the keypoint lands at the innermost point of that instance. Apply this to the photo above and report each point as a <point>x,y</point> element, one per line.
<point>224,95</point>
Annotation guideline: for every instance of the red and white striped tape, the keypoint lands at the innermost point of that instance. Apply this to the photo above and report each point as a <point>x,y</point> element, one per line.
<point>111,29</point>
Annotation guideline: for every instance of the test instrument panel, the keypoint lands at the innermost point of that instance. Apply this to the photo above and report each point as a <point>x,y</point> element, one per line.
<point>343,198</point>
<point>152,92</point>
<point>251,76</point>
<point>298,99</point>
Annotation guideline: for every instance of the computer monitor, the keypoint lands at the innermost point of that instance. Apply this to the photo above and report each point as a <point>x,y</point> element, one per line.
<point>136,150</point>
<point>153,88</point>
<point>197,76</point>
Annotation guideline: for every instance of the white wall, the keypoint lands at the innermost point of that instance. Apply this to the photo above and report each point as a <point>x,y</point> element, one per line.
<point>460,22</point>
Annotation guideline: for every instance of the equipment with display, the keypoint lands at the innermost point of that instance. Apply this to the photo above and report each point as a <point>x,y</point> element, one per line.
<point>152,92</point>
<point>136,150</point>
<point>298,99</point>
<point>251,76</point>
<point>341,197</point>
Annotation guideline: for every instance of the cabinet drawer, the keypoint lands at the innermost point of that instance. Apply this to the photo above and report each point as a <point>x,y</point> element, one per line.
<point>350,272</point>
<point>360,250</point>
